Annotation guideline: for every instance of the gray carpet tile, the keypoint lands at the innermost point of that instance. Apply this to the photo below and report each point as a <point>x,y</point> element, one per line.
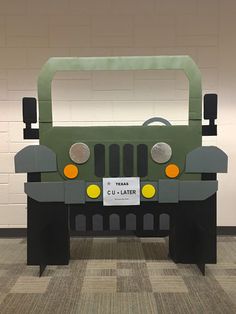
<point>117,303</point>
<point>30,284</point>
<point>153,249</point>
<point>117,275</point>
<point>137,281</point>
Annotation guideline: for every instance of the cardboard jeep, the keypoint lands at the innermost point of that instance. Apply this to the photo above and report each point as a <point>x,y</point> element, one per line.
<point>147,180</point>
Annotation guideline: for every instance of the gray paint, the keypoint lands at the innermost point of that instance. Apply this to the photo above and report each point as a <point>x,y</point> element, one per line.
<point>87,198</point>
<point>35,158</point>
<point>130,222</point>
<point>164,222</point>
<point>80,223</point>
<point>173,191</point>
<point>196,190</point>
<point>157,119</point>
<point>75,192</point>
<point>114,222</point>
<point>97,222</point>
<point>45,191</point>
<point>155,198</point>
<point>148,222</point>
<point>208,159</point>
<point>168,191</point>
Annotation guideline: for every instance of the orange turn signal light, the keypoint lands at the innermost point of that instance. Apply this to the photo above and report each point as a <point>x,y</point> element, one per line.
<point>172,171</point>
<point>71,171</point>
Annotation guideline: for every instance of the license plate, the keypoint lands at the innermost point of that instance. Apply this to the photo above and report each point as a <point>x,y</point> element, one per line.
<point>121,191</point>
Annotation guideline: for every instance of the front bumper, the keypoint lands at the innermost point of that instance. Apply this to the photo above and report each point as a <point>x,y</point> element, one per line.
<point>168,191</point>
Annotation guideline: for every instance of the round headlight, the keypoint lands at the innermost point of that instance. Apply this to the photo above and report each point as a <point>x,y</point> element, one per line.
<point>161,152</point>
<point>79,153</point>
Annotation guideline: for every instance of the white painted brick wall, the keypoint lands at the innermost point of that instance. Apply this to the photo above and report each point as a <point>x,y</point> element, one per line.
<point>32,31</point>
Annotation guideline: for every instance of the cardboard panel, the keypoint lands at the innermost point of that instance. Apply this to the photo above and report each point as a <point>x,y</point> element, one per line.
<point>75,192</point>
<point>206,159</point>
<point>197,190</point>
<point>35,158</point>
<point>45,191</point>
<point>168,191</point>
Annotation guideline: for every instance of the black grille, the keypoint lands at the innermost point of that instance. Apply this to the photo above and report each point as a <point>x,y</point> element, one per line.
<point>128,160</point>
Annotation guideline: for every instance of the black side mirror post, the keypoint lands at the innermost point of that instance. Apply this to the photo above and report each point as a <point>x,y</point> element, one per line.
<point>30,116</point>
<point>210,113</point>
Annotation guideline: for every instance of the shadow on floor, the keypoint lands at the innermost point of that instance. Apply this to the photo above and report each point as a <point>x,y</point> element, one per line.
<point>119,248</point>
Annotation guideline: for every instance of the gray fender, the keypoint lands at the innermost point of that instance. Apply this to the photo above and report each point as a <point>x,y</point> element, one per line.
<point>35,158</point>
<point>206,159</point>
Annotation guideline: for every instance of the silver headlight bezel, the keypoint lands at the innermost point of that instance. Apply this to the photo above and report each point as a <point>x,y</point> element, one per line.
<point>161,152</point>
<point>79,153</point>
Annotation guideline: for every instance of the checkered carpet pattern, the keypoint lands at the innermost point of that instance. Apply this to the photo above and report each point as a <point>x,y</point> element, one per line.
<point>117,275</point>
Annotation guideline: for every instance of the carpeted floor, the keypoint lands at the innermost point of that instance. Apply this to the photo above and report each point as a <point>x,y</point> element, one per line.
<point>117,275</point>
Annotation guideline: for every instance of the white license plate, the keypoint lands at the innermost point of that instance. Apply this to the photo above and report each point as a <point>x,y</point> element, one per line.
<point>121,191</point>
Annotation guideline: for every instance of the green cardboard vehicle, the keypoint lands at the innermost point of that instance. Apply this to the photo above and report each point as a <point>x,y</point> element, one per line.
<point>154,180</point>
<point>168,160</point>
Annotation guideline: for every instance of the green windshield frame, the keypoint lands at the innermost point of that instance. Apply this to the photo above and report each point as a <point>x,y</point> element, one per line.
<point>55,64</point>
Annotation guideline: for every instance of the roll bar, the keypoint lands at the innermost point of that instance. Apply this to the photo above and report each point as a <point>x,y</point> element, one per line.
<point>55,64</point>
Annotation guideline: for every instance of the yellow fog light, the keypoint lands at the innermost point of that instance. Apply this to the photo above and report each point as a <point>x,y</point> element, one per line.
<point>148,191</point>
<point>172,171</point>
<point>71,171</point>
<point>93,191</point>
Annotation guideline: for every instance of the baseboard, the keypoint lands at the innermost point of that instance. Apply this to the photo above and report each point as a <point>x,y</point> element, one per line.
<point>22,232</point>
<point>226,230</point>
<point>13,232</point>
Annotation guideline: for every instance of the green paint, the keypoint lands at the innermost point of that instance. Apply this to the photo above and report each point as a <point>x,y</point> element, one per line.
<point>182,139</point>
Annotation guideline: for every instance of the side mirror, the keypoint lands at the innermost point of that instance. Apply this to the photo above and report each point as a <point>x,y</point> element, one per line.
<point>210,113</point>
<point>29,106</point>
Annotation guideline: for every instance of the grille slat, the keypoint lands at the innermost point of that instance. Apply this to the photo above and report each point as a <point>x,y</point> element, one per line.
<point>114,160</point>
<point>99,160</point>
<point>128,160</point>
<point>142,160</point>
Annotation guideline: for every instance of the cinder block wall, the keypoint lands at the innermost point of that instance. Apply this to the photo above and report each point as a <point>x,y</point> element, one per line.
<point>31,31</point>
